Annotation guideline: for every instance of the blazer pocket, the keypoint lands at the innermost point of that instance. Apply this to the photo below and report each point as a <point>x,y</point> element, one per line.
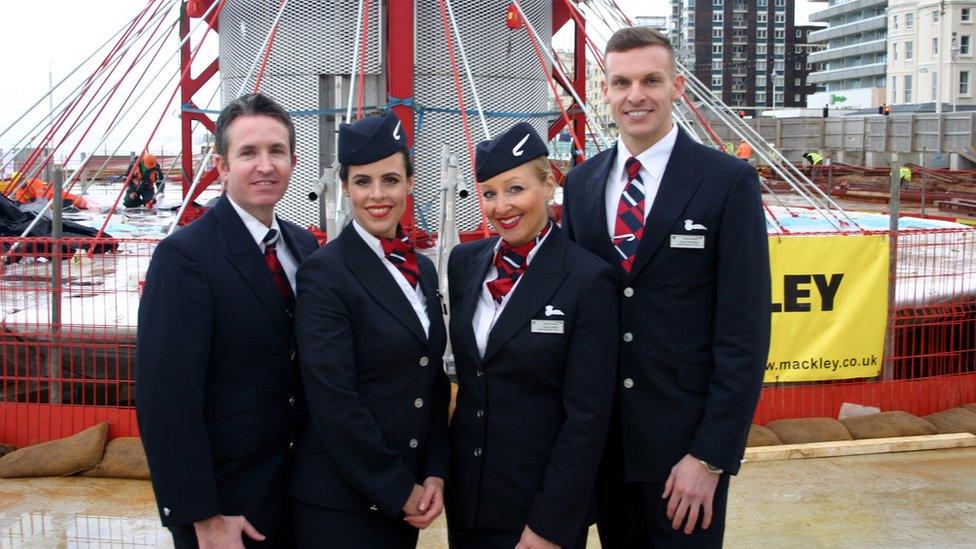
<point>234,445</point>
<point>233,412</point>
<point>693,377</point>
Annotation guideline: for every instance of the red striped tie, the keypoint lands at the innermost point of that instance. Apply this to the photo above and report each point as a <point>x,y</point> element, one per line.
<point>400,252</point>
<point>629,227</point>
<point>281,281</point>
<point>511,263</point>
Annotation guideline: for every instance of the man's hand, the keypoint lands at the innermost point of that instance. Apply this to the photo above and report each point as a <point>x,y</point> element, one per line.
<point>691,489</point>
<point>221,531</point>
<point>431,504</point>
<point>531,540</point>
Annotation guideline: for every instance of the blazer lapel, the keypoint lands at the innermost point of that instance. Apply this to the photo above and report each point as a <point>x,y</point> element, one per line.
<point>428,285</point>
<point>477,270</point>
<point>540,281</point>
<point>246,258</point>
<point>295,244</point>
<point>379,282</point>
<point>678,185</point>
<point>596,208</point>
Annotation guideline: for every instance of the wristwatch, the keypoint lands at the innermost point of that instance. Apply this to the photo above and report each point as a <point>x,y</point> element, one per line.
<point>711,468</point>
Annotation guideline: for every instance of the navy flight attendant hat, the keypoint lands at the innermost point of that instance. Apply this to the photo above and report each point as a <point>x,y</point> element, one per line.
<point>518,145</point>
<point>370,139</point>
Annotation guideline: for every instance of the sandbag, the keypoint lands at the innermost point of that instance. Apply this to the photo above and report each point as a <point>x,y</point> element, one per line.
<point>55,458</point>
<point>954,420</point>
<point>970,407</point>
<point>6,449</point>
<point>761,436</point>
<point>888,424</point>
<point>812,429</point>
<point>124,458</point>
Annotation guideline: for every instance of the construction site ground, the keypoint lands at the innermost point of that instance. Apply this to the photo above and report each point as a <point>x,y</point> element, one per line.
<point>907,499</point>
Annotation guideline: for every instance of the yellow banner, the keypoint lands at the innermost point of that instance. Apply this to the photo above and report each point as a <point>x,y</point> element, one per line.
<point>830,302</point>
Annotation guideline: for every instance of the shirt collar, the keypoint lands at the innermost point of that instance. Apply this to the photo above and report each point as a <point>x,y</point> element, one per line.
<point>654,160</point>
<point>256,228</point>
<point>370,240</point>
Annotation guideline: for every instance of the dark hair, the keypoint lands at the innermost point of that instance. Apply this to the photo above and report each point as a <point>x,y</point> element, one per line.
<point>629,38</point>
<point>250,105</point>
<point>407,163</point>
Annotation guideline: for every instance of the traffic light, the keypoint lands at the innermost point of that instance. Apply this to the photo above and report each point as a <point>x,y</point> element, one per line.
<point>826,111</point>
<point>887,110</point>
<point>742,114</point>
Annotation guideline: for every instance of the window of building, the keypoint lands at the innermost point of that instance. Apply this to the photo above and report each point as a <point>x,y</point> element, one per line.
<point>908,88</point>
<point>965,45</point>
<point>935,16</point>
<point>909,50</point>
<point>716,81</point>
<point>799,33</point>
<point>761,65</point>
<point>779,50</point>
<point>760,49</point>
<point>780,18</point>
<point>798,66</point>
<point>778,99</point>
<point>894,51</point>
<point>716,64</point>
<point>717,33</point>
<point>894,22</point>
<point>717,3</point>
<point>760,98</point>
<point>797,98</point>
<point>761,18</point>
<point>797,81</point>
<point>935,46</point>
<point>894,90</point>
<point>964,83</point>
<point>909,20</point>
<point>761,34</point>
<point>779,34</point>
<point>718,16</point>
<point>717,49</point>
<point>966,15</point>
<point>780,3</point>
<point>935,86</point>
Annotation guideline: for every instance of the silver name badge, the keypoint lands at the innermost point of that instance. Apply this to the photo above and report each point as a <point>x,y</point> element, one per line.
<point>691,241</point>
<point>547,326</point>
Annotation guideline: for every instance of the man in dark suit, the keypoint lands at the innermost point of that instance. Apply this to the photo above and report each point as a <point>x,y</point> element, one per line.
<point>685,227</point>
<point>216,375</point>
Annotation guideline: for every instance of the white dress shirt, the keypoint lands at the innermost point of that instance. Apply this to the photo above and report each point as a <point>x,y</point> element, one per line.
<point>487,311</point>
<point>414,295</point>
<point>653,162</point>
<point>259,230</point>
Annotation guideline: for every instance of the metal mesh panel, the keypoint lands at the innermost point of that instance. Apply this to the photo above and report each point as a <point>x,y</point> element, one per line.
<point>506,71</point>
<point>317,38</point>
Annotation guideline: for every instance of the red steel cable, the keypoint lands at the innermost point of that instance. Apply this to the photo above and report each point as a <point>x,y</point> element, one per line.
<point>267,52</point>
<point>464,114</point>
<point>360,93</point>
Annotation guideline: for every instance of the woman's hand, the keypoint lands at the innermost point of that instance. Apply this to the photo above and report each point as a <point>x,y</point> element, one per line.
<point>531,540</point>
<point>430,504</point>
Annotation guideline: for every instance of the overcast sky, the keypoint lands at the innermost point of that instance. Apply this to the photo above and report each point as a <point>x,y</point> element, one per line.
<point>43,37</point>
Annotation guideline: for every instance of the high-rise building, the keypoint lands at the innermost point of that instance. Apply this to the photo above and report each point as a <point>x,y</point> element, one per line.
<point>930,51</point>
<point>744,51</point>
<point>853,62</point>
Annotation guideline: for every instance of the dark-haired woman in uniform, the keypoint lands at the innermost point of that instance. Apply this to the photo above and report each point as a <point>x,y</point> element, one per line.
<point>534,334</point>
<point>370,467</point>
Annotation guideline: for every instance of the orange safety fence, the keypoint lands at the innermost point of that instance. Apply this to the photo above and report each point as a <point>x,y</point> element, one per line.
<point>59,377</point>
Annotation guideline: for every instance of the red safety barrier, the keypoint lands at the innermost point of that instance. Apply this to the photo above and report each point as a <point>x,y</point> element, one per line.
<point>62,370</point>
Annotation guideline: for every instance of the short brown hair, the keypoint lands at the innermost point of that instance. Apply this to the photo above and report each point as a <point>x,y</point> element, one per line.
<point>629,38</point>
<point>250,105</point>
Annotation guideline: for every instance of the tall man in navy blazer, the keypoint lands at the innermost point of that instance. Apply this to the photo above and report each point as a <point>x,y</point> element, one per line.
<point>685,226</point>
<point>216,375</point>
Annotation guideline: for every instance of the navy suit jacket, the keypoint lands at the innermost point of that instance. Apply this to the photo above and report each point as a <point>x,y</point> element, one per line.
<point>698,317</point>
<point>376,387</point>
<point>532,415</point>
<point>214,373</point>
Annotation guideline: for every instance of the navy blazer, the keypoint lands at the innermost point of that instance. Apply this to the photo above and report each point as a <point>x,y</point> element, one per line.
<point>215,379</point>
<point>376,387</point>
<point>694,320</point>
<point>532,415</point>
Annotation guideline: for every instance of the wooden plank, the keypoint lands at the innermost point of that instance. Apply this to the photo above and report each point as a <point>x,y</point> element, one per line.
<point>859,447</point>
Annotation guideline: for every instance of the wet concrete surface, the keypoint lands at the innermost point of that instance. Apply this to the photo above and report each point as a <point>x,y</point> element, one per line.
<point>911,499</point>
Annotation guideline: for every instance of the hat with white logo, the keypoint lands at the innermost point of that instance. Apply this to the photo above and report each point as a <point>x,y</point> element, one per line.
<point>518,145</point>
<point>370,139</point>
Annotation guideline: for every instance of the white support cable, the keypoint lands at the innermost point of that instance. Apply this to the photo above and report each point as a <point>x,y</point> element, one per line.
<point>72,95</point>
<point>355,60</point>
<point>206,158</point>
<point>69,75</point>
<point>762,149</point>
<point>138,122</point>
<point>594,123</point>
<point>467,70</point>
<point>782,163</point>
<point>90,112</point>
